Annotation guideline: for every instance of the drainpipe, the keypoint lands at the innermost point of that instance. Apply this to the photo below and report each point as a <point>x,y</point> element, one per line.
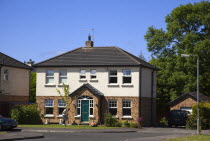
<point>1,65</point>
<point>152,79</point>
<point>140,83</point>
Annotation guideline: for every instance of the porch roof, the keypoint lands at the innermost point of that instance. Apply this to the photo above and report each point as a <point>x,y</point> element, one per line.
<point>92,89</point>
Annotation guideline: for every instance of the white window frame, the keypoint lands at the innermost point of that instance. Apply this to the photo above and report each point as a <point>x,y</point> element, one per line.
<point>82,74</point>
<point>126,108</point>
<point>110,107</point>
<point>112,76</point>
<point>125,75</point>
<point>62,76</point>
<point>61,106</point>
<point>50,77</point>
<point>6,76</point>
<point>91,105</point>
<point>79,106</point>
<point>51,106</point>
<point>93,74</point>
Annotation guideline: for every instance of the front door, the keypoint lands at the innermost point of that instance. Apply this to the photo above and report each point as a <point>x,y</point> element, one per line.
<point>85,111</point>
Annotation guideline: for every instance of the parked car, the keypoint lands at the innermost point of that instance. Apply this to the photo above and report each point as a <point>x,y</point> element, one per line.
<point>178,118</point>
<point>7,123</point>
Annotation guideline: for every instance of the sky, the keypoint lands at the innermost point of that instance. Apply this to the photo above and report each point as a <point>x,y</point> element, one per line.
<point>41,29</point>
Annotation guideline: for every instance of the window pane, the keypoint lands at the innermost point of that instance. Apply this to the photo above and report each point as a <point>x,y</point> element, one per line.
<point>63,80</point>
<point>113,72</point>
<point>127,112</point>
<point>82,71</point>
<point>50,73</point>
<point>126,79</point>
<point>113,103</point>
<point>82,76</point>
<point>126,72</point>
<point>60,111</point>
<point>113,80</point>
<point>63,73</point>
<point>78,111</point>
<point>93,76</point>
<point>49,102</point>
<point>91,111</point>
<point>49,110</point>
<point>113,111</point>
<point>50,80</point>
<point>92,71</point>
<point>61,103</point>
<point>126,103</point>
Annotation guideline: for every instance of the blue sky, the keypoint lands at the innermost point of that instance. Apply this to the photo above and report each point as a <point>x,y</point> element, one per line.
<point>40,29</point>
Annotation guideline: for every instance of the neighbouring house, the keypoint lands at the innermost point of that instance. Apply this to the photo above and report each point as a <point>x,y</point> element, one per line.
<point>103,80</point>
<point>187,100</point>
<point>14,83</point>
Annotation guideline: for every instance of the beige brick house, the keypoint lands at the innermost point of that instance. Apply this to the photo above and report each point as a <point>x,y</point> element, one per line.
<point>103,79</point>
<point>14,83</point>
<point>187,100</point>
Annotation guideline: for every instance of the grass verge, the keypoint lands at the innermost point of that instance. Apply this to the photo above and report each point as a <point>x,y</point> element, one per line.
<point>68,126</point>
<point>191,138</point>
<point>2,132</point>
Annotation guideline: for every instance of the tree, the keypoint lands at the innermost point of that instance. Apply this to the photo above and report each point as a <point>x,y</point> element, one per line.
<point>32,87</point>
<point>187,32</point>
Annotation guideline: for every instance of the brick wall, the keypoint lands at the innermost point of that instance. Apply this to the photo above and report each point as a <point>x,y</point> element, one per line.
<point>189,102</point>
<point>13,98</point>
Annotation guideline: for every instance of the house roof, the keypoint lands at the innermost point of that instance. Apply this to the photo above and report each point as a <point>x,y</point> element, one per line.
<point>94,56</point>
<point>6,60</point>
<point>92,89</point>
<point>193,95</point>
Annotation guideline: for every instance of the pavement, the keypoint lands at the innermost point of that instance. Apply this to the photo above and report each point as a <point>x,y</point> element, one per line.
<point>25,133</point>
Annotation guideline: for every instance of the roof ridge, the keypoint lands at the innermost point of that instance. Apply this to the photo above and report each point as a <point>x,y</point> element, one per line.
<point>58,55</point>
<point>127,54</point>
<point>17,61</point>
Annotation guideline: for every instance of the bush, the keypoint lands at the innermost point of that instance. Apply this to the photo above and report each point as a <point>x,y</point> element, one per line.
<point>204,112</point>
<point>125,123</point>
<point>111,122</point>
<point>26,114</point>
<point>135,125</point>
<point>163,122</point>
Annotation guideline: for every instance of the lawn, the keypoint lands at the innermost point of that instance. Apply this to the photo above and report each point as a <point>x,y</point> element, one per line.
<point>68,126</point>
<point>2,132</point>
<point>191,138</point>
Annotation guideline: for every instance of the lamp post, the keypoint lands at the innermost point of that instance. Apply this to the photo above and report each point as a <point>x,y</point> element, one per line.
<point>198,117</point>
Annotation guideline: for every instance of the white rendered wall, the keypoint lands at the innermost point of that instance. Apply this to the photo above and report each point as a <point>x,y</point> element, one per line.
<point>101,85</point>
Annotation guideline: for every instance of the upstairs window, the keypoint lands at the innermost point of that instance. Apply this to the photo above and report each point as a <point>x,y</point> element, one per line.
<point>63,76</point>
<point>93,74</point>
<point>48,107</point>
<point>113,107</point>
<point>6,74</point>
<point>82,74</point>
<point>126,76</point>
<point>113,76</point>
<point>61,106</point>
<point>126,108</point>
<point>50,77</point>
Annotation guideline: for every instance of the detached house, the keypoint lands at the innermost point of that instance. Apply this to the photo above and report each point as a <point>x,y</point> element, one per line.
<point>103,79</point>
<point>14,83</point>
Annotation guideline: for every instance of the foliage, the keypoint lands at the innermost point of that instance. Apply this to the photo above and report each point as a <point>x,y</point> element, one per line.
<point>163,122</point>
<point>32,87</point>
<point>111,122</point>
<point>204,113</point>
<point>135,125</point>
<point>65,95</point>
<point>26,114</point>
<point>125,123</point>
<point>141,56</point>
<point>187,32</point>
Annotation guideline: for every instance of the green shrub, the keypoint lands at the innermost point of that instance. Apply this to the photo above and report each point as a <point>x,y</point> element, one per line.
<point>26,114</point>
<point>125,123</point>
<point>204,113</point>
<point>135,125</point>
<point>163,122</point>
<point>111,122</point>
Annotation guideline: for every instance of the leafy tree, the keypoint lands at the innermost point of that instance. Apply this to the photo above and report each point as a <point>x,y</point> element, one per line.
<point>141,56</point>
<point>32,87</point>
<point>187,32</point>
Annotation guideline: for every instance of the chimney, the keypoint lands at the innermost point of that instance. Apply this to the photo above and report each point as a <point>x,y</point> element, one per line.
<point>89,43</point>
<point>30,63</point>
